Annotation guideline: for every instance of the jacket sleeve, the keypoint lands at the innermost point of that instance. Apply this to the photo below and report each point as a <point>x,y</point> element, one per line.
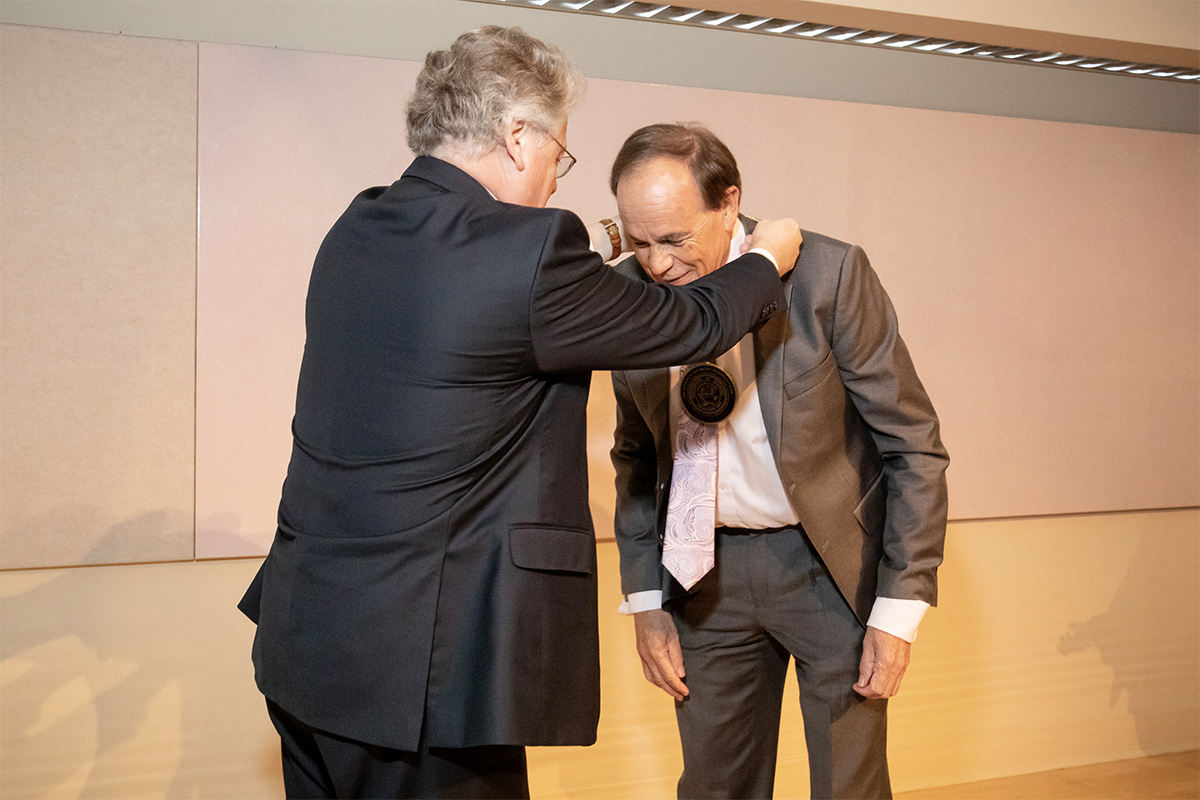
<point>635,518</point>
<point>583,315</point>
<point>882,382</point>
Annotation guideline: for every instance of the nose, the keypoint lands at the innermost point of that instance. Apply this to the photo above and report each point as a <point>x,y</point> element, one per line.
<point>660,262</point>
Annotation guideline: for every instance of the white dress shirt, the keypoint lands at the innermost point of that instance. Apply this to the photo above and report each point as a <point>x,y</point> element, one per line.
<point>750,493</point>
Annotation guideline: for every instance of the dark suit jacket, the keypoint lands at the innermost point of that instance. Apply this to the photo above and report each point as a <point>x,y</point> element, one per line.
<point>854,436</point>
<point>435,562</point>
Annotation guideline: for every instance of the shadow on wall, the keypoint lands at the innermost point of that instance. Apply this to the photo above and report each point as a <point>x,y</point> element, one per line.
<point>221,535</point>
<point>1160,676</point>
<point>76,535</point>
<point>109,680</point>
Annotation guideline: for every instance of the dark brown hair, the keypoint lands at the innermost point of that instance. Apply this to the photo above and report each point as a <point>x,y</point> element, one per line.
<point>712,165</point>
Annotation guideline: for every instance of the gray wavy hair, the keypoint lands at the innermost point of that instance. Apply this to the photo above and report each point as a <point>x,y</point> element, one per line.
<point>466,96</point>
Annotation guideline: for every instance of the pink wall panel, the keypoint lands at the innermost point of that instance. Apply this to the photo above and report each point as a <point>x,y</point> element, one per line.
<point>1047,275</point>
<point>286,141</point>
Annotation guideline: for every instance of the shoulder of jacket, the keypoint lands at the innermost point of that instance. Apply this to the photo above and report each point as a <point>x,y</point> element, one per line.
<point>549,219</point>
<point>820,244</point>
<point>822,257</point>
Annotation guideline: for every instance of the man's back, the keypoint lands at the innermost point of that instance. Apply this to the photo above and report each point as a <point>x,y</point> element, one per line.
<point>435,555</point>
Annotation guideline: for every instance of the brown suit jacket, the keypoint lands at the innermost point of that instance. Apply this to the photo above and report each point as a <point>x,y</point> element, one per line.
<point>854,436</point>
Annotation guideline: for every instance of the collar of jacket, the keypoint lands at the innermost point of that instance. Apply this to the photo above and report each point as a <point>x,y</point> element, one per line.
<point>447,176</point>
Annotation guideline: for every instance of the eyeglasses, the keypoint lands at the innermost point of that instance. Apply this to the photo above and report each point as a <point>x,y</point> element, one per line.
<point>565,161</point>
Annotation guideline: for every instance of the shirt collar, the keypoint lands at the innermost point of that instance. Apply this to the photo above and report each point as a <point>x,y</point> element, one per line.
<point>735,244</point>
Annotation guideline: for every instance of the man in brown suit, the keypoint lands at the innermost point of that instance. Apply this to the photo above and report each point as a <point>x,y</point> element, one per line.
<point>830,496</point>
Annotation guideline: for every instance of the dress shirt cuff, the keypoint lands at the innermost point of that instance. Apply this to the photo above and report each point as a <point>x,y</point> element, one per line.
<point>641,601</point>
<point>898,617</point>
<point>763,252</point>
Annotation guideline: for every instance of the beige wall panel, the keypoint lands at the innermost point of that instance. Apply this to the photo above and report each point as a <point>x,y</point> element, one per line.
<point>1045,273</point>
<point>97,298</point>
<point>1057,642</point>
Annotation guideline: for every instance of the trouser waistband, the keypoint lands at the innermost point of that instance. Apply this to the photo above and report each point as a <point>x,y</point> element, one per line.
<point>731,531</point>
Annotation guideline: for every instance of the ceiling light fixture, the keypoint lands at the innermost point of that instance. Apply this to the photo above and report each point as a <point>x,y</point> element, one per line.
<point>771,26</point>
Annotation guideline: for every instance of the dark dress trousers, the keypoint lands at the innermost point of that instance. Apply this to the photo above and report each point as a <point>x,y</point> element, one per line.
<point>433,578</point>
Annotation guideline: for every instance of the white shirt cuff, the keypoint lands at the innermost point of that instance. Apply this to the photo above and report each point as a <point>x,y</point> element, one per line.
<point>640,601</point>
<point>891,615</point>
<point>898,617</point>
<point>763,252</point>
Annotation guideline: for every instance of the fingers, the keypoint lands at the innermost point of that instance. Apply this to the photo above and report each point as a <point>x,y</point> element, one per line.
<point>665,670</point>
<point>660,672</point>
<point>782,237</point>
<point>884,660</point>
<point>878,685</point>
<point>658,647</point>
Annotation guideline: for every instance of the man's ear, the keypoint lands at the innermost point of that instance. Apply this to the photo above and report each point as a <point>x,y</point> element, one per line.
<point>516,141</point>
<point>731,204</point>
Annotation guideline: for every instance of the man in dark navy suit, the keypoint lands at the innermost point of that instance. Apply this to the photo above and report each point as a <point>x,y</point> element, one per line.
<point>428,607</point>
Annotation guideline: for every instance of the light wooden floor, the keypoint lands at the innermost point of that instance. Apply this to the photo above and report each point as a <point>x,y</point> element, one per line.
<point>1168,777</point>
<point>637,757</point>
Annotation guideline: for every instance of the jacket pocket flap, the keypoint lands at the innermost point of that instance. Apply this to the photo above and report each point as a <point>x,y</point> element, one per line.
<point>809,378</point>
<point>547,548</point>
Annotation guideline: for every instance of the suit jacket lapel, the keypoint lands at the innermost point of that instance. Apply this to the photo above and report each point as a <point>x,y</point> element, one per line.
<point>769,343</point>
<point>654,389</point>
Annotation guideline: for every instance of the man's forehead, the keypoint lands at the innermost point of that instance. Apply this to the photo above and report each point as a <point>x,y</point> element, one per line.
<point>658,191</point>
<point>658,220</point>
<point>662,171</point>
<point>662,185</point>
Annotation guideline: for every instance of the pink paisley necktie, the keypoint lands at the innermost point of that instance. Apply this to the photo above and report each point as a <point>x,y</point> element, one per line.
<point>691,509</point>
